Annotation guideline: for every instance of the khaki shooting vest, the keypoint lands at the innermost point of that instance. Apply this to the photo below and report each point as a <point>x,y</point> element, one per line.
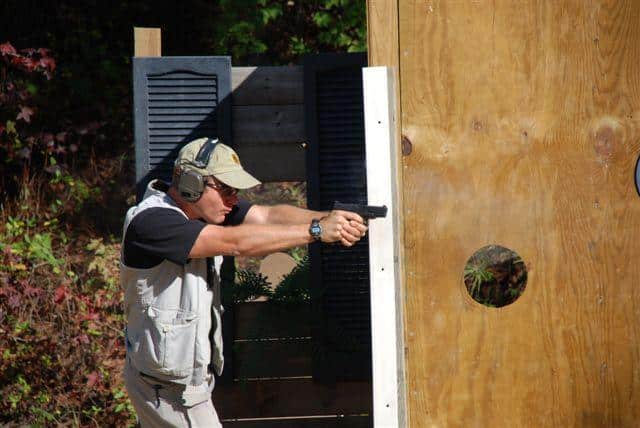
<point>171,310</point>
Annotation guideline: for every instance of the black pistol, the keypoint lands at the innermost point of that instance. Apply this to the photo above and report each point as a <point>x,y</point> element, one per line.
<point>365,211</point>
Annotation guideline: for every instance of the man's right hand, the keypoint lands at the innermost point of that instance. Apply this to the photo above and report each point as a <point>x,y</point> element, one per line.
<point>342,226</point>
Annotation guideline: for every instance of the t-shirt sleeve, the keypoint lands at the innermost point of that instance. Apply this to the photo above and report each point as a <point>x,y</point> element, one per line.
<point>157,234</point>
<point>238,213</point>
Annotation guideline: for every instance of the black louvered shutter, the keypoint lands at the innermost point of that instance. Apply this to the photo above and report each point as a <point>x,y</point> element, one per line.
<point>177,99</point>
<point>336,170</point>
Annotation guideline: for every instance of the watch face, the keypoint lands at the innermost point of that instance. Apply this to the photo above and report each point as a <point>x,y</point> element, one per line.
<point>315,229</point>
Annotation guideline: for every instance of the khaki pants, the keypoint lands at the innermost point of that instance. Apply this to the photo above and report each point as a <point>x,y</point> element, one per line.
<point>159,404</point>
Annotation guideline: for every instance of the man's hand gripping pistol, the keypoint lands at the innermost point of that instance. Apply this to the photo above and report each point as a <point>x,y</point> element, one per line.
<point>367,212</point>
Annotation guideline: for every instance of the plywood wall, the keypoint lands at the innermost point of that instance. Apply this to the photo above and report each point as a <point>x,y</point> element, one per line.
<point>523,120</point>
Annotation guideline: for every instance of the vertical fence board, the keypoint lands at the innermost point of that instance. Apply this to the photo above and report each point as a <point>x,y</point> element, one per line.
<point>524,124</point>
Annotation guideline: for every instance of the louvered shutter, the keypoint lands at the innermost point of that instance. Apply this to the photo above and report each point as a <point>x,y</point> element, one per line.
<point>177,99</point>
<point>336,166</point>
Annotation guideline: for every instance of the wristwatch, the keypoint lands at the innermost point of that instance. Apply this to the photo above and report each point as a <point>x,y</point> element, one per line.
<point>315,230</point>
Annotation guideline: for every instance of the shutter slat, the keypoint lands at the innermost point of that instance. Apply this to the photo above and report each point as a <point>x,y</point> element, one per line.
<point>182,75</point>
<point>170,104</point>
<point>187,125</point>
<point>171,90</point>
<point>168,121</point>
<point>177,139</point>
<point>206,84</point>
<point>176,131</point>
<point>179,110</point>
<point>195,119</point>
<point>182,96</point>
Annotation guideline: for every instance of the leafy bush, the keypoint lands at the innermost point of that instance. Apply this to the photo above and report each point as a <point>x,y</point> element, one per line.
<point>293,288</point>
<point>278,32</point>
<point>66,172</point>
<point>249,285</point>
<point>60,317</point>
<point>61,332</point>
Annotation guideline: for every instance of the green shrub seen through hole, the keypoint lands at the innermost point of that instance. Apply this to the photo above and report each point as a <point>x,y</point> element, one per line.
<point>495,276</point>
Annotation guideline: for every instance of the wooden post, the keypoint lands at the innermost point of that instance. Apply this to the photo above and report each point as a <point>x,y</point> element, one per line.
<point>383,50</point>
<point>384,247</point>
<point>147,41</point>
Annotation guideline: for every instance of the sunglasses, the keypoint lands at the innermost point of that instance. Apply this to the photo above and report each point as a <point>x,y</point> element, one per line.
<point>224,190</point>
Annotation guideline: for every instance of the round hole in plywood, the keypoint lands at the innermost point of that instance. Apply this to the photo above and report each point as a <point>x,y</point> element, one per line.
<point>495,276</point>
<point>637,176</point>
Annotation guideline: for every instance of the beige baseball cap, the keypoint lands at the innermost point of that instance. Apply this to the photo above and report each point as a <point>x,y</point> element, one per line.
<point>224,164</point>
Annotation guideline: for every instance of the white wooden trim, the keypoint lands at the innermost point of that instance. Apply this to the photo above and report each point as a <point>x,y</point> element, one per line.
<point>384,256</point>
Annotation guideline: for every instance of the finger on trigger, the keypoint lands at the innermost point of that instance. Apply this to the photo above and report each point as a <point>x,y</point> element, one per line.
<point>352,230</point>
<point>353,216</point>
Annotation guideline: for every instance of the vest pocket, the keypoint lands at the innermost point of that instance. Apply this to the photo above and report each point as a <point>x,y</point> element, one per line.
<point>168,343</point>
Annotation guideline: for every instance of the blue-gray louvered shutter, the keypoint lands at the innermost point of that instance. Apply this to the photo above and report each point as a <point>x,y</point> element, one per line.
<point>336,170</point>
<point>177,99</point>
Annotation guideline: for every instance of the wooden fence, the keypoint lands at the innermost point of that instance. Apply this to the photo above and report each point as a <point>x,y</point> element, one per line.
<point>268,121</point>
<point>272,350</point>
<point>272,354</point>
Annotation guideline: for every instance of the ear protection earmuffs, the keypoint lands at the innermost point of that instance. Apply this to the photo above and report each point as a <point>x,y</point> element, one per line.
<point>191,182</point>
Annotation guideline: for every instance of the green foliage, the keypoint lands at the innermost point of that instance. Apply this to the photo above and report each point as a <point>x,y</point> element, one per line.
<point>17,226</point>
<point>58,337</point>
<point>294,287</point>
<point>477,274</point>
<point>249,285</point>
<point>104,260</point>
<point>20,391</point>
<point>39,249</point>
<point>495,276</point>
<point>282,30</point>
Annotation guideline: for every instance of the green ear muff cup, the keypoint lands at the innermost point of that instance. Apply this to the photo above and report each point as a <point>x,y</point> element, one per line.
<point>190,186</point>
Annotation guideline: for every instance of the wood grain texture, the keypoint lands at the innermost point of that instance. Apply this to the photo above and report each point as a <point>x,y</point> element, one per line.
<point>382,33</point>
<point>147,42</point>
<point>274,162</point>
<point>524,119</point>
<point>267,85</point>
<point>268,122</point>
<point>383,50</point>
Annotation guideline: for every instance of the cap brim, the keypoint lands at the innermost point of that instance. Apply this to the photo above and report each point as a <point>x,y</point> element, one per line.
<point>238,179</point>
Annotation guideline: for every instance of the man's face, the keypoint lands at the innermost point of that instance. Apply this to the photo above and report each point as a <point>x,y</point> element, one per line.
<point>216,202</point>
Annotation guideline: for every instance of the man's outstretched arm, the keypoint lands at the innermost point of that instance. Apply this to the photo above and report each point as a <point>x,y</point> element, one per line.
<point>260,239</point>
<point>281,214</point>
<point>353,228</point>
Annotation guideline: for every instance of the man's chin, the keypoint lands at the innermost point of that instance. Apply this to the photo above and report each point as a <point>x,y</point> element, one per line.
<point>217,220</point>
